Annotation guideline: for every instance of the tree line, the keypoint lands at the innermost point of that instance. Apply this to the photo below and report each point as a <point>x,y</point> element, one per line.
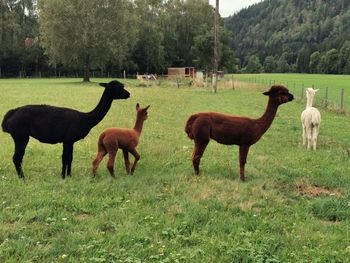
<point>293,36</point>
<point>65,37</point>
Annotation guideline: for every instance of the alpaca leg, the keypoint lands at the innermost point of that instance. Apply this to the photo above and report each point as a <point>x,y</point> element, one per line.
<point>304,135</point>
<point>69,159</point>
<point>126,160</point>
<point>66,159</point>
<point>98,159</point>
<point>243,152</point>
<point>309,137</point>
<point>112,148</point>
<point>20,147</point>
<point>110,164</point>
<point>314,137</point>
<point>137,158</point>
<point>199,148</point>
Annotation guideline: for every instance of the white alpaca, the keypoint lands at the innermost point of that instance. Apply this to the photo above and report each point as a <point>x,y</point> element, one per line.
<point>311,120</point>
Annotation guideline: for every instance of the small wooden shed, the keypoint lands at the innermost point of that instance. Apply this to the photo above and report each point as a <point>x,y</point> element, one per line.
<point>187,72</point>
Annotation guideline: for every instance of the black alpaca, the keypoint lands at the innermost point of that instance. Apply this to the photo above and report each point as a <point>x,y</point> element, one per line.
<point>50,124</point>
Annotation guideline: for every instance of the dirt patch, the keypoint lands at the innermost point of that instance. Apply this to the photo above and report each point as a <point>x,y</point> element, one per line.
<point>83,216</point>
<point>312,190</point>
<point>175,209</point>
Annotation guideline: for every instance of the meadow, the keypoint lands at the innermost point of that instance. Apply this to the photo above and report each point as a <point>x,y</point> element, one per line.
<point>294,206</point>
<point>295,82</point>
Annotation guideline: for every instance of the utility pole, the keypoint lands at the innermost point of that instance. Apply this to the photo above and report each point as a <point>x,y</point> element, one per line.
<point>216,48</point>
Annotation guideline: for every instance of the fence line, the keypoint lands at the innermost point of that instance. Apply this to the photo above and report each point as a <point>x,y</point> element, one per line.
<point>336,103</point>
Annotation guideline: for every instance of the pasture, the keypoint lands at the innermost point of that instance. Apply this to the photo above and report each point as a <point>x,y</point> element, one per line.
<point>320,81</point>
<point>294,206</point>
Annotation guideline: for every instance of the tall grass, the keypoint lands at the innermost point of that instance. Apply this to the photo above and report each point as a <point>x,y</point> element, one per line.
<point>293,208</point>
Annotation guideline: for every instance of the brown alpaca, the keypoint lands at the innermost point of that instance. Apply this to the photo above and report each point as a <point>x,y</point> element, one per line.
<point>231,129</point>
<point>113,139</point>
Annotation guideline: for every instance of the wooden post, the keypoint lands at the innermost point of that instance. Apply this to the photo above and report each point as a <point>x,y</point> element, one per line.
<point>302,91</point>
<point>206,79</point>
<point>216,48</point>
<point>124,75</point>
<point>326,98</point>
<point>233,82</point>
<point>342,100</point>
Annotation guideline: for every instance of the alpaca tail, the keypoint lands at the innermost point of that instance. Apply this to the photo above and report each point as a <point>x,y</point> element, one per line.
<point>316,119</point>
<point>4,123</point>
<point>100,145</point>
<point>188,127</point>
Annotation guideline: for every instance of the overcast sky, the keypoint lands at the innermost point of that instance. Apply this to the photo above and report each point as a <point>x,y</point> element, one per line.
<point>229,7</point>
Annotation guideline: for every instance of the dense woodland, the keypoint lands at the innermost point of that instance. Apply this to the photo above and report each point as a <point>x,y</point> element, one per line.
<point>68,37</point>
<point>310,36</point>
<point>78,37</point>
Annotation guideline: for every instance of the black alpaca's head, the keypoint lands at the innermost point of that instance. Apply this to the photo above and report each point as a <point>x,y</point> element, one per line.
<point>116,89</point>
<point>279,94</point>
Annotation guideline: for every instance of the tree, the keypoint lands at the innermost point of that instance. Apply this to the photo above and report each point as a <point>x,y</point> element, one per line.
<point>344,55</point>
<point>184,20</point>
<point>315,61</point>
<point>331,61</point>
<point>270,64</point>
<point>203,46</point>
<point>282,64</point>
<point>303,60</point>
<point>87,33</point>
<point>18,21</point>
<point>253,65</point>
<point>149,51</point>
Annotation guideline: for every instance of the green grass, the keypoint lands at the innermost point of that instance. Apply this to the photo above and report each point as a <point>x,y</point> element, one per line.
<point>295,82</point>
<point>164,213</point>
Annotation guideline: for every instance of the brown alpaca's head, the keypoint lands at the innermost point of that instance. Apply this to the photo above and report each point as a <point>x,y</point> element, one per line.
<point>142,112</point>
<point>116,90</point>
<point>279,94</point>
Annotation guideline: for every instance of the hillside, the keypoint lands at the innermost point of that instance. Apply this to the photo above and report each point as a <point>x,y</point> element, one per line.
<point>295,36</point>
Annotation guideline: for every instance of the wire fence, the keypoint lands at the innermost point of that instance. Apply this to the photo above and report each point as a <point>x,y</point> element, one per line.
<point>333,99</point>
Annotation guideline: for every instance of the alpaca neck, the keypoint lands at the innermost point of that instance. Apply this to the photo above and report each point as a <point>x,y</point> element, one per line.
<point>266,120</point>
<point>138,125</point>
<point>98,113</point>
<point>309,102</point>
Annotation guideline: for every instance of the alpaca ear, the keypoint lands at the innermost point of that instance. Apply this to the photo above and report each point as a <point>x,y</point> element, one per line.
<point>316,90</point>
<point>105,85</point>
<point>267,93</point>
<point>137,106</point>
<point>147,107</point>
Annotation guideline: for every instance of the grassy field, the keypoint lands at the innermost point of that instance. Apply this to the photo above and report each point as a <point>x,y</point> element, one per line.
<point>295,82</point>
<point>294,207</point>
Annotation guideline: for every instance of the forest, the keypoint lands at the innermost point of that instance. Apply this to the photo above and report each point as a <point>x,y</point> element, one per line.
<point>75,37</point>
<point>293,36</point>
<point>95,38</point>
